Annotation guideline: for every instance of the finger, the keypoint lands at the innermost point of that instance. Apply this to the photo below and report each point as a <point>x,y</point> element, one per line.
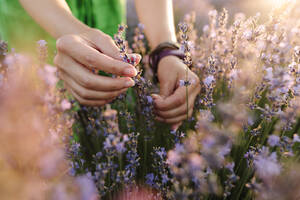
<point>176,99</point>
<point>90,57</point>
<point>182,109</point>
<point>85,101</point>
<point>89,80</point>
<point>105,44</point>
<point>175,119</point>
<point>166,88</point>
<point>174,127</point>
<point>89,94</point>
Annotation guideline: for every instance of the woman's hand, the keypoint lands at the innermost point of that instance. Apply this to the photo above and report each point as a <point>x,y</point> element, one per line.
<point>171,104</point>
<point>80,55</point>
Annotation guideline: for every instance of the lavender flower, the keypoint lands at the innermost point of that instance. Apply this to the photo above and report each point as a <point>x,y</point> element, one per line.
<point>266,164</point>
<point>273,140</point>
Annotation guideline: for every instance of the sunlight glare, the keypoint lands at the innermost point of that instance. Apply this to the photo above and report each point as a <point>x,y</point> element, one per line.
<point>279,3</point>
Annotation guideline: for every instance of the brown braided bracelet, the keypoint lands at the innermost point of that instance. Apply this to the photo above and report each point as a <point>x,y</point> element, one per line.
<point>163,50</point>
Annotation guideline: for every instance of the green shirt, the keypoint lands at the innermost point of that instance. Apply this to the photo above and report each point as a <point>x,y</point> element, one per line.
<point>21,32</point>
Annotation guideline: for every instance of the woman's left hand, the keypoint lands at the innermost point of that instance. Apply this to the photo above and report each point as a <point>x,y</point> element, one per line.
<point>171,104</point>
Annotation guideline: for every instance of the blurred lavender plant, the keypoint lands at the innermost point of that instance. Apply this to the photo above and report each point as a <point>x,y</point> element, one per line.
<point>33,133</point>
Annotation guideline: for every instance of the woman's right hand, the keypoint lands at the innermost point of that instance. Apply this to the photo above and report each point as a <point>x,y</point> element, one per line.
<point>79,54</point>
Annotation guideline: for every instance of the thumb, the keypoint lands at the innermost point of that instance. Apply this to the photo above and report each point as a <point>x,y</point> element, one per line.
<point>107,46</point>
<point>166,88</point>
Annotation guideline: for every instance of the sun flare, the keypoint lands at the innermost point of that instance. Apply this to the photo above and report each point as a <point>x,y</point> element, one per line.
<point>278,3</point>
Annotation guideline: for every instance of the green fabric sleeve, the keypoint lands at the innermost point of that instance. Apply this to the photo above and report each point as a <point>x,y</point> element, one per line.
<point>21,32</point>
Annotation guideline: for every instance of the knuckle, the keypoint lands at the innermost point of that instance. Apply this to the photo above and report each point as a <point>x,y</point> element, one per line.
<point>109,40</point>
<point>162,106</point>
<point>107,37</point>
<point>115,94</point>
<point>191,106</point>
<point>87,82</point>
<point>96,33</point>
<point>62,42</point>
<point>83,94</point>
<point>81,101</point>
<point>102,103</point>
<point>161,113</point>
<point>115,69</point>
<point>60,75</point>
<point>90,60</point>
<point>114,86</point>
<point>197,80</point>
<point>168,121</point>
<point>181,100</point>
<point>56,60</point>
<point>167,115</point>
<point>191,113</point>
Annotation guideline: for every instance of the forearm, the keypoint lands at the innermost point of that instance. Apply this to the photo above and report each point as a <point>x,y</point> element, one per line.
<point>157,16</point>
<point>54,16</point>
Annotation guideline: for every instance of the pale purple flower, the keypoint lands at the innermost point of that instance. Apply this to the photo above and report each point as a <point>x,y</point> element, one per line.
<point>88,190</point>
<point>48,74</point>
<point>297,50</point>
<point>266,164</point>
<point>60,192</point>
<point>205,28</point>
<point>209,80</point>
<point>65,104</point>
<point>206,115</point>
<point>273,140</point>
<point>120,146</point>
<point>296,138</point>
<point>150,179</point>
<point>248,34</point>
<point>49,163</point>
<point>149,99</point>
<point>269,75</point>
<point>196,161</point>
<point>173,157</point>
<point>213,13</point>
<point>230,166</point>
<point>42,43</point>
<point>181,83</point>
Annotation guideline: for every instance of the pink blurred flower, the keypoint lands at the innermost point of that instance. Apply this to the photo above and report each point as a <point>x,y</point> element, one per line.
<point>65,104</point>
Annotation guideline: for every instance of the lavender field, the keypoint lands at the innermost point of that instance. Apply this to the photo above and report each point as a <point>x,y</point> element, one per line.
<point>241,140</point>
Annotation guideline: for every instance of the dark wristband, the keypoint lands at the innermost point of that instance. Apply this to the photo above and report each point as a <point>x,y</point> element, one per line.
<point>163,50</point>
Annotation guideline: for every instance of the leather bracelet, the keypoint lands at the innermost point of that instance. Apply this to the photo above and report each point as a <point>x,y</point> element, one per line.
<point>163,50</point>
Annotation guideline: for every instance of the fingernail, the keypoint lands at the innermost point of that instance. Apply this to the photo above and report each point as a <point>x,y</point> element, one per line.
<point>154,96</point>
<point>175,127</point>
<point>135,58</point>
<point>130,71</point>
<point>129,83</point>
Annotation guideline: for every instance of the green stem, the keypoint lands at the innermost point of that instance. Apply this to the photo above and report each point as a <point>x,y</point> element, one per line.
<point>145,158</point>
<point>187,94</point>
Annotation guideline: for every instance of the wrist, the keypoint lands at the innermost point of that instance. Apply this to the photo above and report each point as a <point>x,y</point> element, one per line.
<point>74,26</point>
<point>164,50</point>
<point>168,61</point>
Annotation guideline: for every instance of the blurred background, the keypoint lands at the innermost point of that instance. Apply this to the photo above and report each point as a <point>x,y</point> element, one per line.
<point>202,7</point>
<point>18,27</point>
